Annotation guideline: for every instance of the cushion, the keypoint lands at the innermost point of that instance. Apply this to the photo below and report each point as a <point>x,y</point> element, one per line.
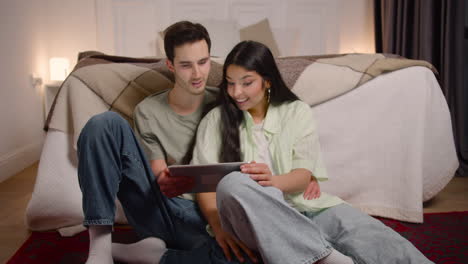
<point>262,33</point>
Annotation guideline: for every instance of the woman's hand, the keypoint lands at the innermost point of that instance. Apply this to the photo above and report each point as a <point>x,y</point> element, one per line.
<point>313,190</point>
<point>174,186</point>
<point>259,172</point>
<point>229,243</point>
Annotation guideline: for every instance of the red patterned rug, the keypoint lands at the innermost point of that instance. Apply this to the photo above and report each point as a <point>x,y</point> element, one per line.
<point>443,238</point>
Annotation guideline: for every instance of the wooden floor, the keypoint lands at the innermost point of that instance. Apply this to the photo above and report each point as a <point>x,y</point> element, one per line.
<point>14,197</point>
<point>16,192</point>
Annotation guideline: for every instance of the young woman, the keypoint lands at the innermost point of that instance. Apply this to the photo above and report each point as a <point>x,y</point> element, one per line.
<point>265,125</point>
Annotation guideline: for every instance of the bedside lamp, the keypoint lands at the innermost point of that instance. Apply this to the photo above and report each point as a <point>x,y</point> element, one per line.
<point>58,68</point>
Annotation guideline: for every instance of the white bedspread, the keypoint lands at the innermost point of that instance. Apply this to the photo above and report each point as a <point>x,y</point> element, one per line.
<point>388,145</point>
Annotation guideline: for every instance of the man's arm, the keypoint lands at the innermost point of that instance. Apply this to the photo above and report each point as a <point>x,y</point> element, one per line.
<point>170,186</point>
<point>157,166</point>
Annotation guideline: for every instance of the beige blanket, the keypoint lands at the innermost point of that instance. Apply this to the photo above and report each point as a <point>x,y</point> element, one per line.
<point>100,82</point>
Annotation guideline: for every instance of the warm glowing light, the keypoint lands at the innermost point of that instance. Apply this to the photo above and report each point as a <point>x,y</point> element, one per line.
<point>58,68</point>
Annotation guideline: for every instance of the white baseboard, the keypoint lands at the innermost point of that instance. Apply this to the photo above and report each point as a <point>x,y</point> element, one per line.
<point>19,159</point>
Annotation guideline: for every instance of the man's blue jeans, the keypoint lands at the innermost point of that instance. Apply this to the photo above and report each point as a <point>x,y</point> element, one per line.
<point>112,164</point>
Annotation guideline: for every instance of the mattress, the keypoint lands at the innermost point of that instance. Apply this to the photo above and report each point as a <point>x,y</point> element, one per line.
<point>388,145</point>
<point>56,199</point>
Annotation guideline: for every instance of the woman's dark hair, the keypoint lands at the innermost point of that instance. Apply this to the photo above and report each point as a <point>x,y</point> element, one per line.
<point>253,56</point>
<point>189,154</point>
<point>181,33</point>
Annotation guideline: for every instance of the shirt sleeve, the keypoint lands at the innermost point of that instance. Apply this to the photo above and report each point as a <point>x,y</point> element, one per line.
<point>147,136</point>
<point>208,141</point>
<point>306,148</point>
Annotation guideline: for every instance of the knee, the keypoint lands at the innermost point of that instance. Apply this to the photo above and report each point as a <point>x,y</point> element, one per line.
<point>105,119</point>
<point>233,186</point>
<point>101,124</point>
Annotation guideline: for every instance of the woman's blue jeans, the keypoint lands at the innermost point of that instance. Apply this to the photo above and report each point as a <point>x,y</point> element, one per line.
<point>112,165</point>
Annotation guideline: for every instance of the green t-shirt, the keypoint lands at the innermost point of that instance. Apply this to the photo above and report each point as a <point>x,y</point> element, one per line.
<point>164,134</point>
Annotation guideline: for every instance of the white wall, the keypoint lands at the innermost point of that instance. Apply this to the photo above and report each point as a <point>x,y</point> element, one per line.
<point>31,32</point>
<point>300,27</point>
<point>358,35</point>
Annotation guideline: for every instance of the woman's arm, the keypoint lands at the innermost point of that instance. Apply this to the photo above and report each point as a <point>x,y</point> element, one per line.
<point>307,153</point>
<point>294,181</point>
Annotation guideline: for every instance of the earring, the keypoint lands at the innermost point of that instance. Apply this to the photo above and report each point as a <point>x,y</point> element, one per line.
<point>268,95</point>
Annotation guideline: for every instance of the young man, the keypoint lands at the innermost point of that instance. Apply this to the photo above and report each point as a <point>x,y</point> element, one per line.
<point>112,164</point>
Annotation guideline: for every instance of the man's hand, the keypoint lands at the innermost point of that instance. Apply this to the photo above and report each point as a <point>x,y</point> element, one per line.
<point>313,190</point>
<point>259,172</point>
<point>174,186</point>
<point>229,243</point>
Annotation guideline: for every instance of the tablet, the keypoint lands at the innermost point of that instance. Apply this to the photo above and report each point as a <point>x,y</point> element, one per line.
<point>206,176</point>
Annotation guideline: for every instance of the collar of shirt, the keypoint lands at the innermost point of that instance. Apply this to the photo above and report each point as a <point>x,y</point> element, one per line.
<point>271,123</point>
<point>271,127</point>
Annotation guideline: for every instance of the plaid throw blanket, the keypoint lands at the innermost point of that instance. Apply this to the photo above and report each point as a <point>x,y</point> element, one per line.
<point>101,82</point>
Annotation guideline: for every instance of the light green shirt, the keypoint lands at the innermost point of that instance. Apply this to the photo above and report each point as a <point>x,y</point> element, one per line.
<point>293,143</point>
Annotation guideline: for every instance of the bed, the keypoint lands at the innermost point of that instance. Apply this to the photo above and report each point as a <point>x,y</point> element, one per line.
<point>384,129</point>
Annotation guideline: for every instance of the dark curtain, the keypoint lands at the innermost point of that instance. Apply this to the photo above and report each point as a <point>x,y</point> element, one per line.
<point>431,30</point>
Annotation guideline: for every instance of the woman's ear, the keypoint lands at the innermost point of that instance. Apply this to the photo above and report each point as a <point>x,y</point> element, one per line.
<point>267,84</point>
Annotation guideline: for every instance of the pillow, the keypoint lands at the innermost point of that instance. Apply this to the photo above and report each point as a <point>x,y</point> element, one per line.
<point>262,33</point>
<point>224,36</point>
<point>288,40</point>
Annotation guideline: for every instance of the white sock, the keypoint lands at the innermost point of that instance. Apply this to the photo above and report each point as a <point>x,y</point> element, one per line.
<point>336,257</point>
<point>146,251</point>
<point>100,241</point>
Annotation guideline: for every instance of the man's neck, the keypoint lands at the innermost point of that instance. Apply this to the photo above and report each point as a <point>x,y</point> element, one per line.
<point>184,103</point>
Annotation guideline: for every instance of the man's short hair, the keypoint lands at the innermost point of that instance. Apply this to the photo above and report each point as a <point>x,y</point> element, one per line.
<point>181,33</point>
